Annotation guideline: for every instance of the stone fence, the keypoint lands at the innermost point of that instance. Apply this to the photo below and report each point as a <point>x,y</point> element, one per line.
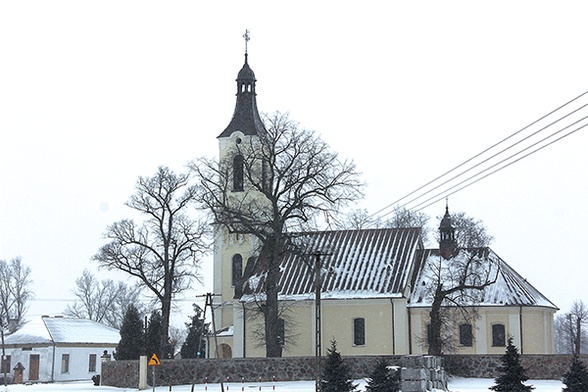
<point>186,371</point>
<point>539,367</point>
<point>418,373</point>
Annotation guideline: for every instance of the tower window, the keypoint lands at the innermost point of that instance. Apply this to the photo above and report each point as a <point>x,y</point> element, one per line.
<point>359,331</point>
<point>238,173</point>
<point>498,335</point>
<point>465,335</point>
<point>237,269</point>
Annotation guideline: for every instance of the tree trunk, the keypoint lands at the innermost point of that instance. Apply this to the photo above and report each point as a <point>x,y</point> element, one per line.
<point>434,331</point>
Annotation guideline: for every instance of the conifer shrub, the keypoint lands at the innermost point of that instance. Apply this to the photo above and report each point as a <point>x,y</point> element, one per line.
<point>131,341</point>
<point>383,378</point>
<point>336,376</point>
<point>576,378</point>
<point>513,375</point>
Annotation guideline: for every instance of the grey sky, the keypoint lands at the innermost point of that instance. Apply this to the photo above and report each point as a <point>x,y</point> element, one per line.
<point>94,94</point>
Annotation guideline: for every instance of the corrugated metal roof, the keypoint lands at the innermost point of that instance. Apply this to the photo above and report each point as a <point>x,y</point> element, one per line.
<point>361,263</point>
<point>510,288</point>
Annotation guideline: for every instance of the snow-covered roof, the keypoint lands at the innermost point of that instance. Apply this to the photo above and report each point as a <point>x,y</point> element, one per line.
<point>62,330</point>
<point>510,288</point>
<point>355,263</point>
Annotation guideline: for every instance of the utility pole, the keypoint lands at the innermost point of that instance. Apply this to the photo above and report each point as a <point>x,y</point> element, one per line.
<point>208,303</point>
<point>318,333</point>
<point>3,360</point>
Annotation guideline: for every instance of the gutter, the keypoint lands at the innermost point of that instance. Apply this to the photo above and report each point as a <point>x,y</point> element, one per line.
<point>54,349</point>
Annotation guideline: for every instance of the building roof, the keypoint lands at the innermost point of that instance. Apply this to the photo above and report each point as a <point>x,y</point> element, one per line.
<point>62,330</point>
<point>355,264</point>
<point>380,263</point>
<point>510,288</point>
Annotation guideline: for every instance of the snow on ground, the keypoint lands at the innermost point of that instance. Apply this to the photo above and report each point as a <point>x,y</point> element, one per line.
<point>455,385</point>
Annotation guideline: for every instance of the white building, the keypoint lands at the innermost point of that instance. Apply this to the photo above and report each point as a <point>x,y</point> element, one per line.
<point>48,349</point>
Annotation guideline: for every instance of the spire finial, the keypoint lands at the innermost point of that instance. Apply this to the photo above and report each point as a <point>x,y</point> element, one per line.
<point>447,205</point>
<point>247,38</point>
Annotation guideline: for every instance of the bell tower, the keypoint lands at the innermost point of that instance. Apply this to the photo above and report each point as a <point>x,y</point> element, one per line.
<point>232,251</point>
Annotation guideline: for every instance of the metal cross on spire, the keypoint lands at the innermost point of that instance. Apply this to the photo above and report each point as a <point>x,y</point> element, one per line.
<point>247,38</point>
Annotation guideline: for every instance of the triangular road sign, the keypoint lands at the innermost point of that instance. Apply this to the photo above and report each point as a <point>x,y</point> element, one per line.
<point>154,361</point>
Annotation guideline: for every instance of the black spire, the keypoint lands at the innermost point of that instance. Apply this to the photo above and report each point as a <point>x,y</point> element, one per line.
<point>447,242</point>
<point>246,117</point>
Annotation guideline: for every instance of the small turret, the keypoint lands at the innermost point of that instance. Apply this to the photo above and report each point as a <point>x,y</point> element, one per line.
<point>447,242</point>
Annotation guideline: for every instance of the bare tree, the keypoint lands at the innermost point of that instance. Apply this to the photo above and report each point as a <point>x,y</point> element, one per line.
<point>292,178</point>
<point>163,252</point>
<point>571,336</point>
<point>104,301</point>
<point>402,217</point>
<point>457,279</point>
<point>15,290</point>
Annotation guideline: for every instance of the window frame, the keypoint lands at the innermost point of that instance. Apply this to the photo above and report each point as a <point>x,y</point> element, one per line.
<point>238,173</point>
<point>359,332</point>
<point>236,269</point>
<point>466,335</point>
<point>498,336</point>
<point>92,360</point>
<point>65,358</point>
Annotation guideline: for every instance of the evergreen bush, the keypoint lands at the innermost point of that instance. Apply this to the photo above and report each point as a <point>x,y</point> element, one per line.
<point>576,379</point>
<point>383,378</point>
<point>336,375</point>
<point>513,375</point>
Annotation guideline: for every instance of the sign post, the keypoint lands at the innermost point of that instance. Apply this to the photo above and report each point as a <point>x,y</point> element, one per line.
<point>153,362</point>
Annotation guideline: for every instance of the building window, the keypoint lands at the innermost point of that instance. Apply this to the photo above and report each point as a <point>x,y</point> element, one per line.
<point>238,173</point>
<point>92,363</point>
<point>64,363</point>
<point>5,367</point>
<point>498,335</point>
<point>465,335</point>
<point>359,332</point>
<point>237,269</point>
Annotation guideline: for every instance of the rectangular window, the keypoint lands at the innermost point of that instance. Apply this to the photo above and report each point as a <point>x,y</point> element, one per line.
<point>465,335</point>
<point>64,363</point>
<point>5,368</point>
<point>359,332</point>
<point>92,363</point>
<point>498,335</point>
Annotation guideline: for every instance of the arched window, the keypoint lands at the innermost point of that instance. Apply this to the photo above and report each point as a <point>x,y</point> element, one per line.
<point>237,269</point>
<point>238,173</point>
<point>498,335</point>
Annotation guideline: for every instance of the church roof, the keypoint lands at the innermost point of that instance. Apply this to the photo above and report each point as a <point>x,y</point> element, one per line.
<point>510,288</point>
<point>355,264</point>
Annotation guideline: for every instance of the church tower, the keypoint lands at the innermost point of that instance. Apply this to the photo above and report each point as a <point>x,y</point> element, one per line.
<point>447,241</point>
<point>232,251</point>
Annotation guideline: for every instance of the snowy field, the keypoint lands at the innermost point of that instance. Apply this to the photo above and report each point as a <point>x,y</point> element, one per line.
<point>455,385</point>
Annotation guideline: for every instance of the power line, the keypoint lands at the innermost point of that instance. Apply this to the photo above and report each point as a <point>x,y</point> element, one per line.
<point>490,158</point>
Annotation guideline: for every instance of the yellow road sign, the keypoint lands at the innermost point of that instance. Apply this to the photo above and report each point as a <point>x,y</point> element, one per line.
<point>154,361</point>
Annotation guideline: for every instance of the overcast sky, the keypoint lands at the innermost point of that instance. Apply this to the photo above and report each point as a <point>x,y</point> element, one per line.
<point>94,94</point>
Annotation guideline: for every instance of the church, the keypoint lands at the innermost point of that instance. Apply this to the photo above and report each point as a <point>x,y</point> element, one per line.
<point>372,295</point>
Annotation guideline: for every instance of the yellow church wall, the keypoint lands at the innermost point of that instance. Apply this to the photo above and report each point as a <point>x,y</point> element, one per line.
<point>337,323</point>
<point>531,328</point>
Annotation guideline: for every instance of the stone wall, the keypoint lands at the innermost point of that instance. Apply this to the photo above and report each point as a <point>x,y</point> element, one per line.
<point>539,367</point>
<point>125,374</point>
